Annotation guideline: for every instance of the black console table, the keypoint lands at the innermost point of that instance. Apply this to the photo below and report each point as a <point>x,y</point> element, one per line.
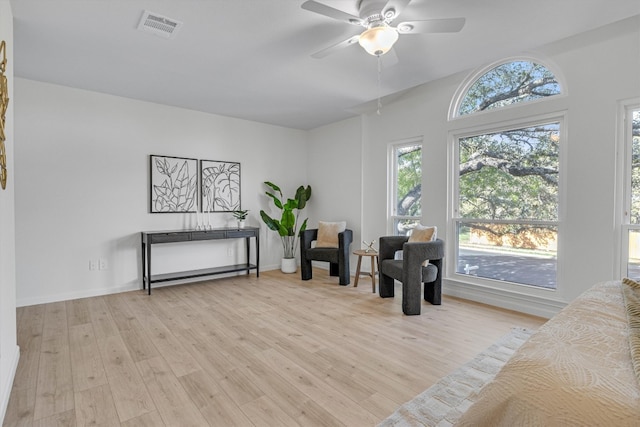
<point>150,238</point>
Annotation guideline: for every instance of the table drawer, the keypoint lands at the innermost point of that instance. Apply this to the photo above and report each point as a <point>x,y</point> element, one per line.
<point>169,237</point>
<point>208,235</point>
<point>240,233</point>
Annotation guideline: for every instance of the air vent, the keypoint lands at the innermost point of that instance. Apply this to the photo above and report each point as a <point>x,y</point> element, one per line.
<point>159,25</point>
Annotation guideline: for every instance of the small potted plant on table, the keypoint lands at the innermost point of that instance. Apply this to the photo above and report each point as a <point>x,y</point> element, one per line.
<point>241,216</point>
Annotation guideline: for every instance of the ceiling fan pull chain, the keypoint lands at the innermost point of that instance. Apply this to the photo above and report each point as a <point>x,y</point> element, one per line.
<point>379,84</point>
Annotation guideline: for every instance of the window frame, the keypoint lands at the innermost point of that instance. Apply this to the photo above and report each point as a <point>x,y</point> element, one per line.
<point>462,90</point>
<point>392,175</point>
<point>625,149</point>
<point>454,218</point>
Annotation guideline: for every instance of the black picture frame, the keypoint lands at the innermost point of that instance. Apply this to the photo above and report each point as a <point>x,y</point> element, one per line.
<point>220,186</point>
<point>173,184</point>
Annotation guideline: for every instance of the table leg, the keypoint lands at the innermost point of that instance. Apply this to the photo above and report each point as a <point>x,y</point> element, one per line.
<point>373,274</point>
<point>144,266</point>
<point>149,267</point>
<point>248,251</point>
<point>355,281</point>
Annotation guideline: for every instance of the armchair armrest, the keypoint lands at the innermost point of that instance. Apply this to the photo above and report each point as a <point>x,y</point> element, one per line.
<point>345,238</point>
<point>415,253</point>
<point>306,237</point>
<point>389,245</point>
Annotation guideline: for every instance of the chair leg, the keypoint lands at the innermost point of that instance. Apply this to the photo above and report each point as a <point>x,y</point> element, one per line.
<point>305,269</point>
<point>334,269</point>
<point>386,288</point>
<point>433,292</point>
<point>411,300</point>
<point>345,275</point>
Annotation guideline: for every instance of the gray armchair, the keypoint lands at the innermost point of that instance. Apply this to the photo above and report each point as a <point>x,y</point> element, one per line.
<point>410,271</point>
<point>338,258</point>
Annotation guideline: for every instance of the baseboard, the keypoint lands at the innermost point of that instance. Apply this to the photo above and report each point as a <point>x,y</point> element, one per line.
<point>108,291</point>
<point>8,385</point>
<point>45,299</point>
<point>529,304</point>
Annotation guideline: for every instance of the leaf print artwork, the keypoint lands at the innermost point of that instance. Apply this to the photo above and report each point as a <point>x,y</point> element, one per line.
<point>174,184</point>
<point>220,186</point>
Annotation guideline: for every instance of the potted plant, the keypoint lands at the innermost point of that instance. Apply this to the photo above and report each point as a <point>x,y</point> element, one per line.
<point>241,216</point>
<point>286,227</point>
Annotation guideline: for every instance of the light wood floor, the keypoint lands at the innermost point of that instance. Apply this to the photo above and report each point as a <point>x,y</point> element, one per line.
<point>273,351</point>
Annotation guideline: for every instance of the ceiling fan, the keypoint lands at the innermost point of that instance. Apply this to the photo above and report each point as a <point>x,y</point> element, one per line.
<point>376,16</point>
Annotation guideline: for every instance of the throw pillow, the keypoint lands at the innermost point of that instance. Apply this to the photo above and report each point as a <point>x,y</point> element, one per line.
<point>328,233</point>
<point>422,233</point>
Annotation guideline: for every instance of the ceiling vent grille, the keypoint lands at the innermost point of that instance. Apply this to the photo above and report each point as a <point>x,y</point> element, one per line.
<point>159,25</point>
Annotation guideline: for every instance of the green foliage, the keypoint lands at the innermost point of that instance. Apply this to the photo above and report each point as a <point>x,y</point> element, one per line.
<point>409,181</point>
<point>286,226</point>
<point>510,174</point>
<point>635,169</point>
<point>240,215</point>
<point>509,83</point>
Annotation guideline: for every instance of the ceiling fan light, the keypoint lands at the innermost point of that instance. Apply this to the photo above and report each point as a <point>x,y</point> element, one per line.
<point>378,40</point>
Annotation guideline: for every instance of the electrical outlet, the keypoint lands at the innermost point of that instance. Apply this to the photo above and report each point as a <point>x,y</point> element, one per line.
<point>102,264</point>
<point>230,252</point>
<point>93,264</point>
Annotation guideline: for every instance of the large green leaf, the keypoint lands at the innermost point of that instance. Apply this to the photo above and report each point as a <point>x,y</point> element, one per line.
<point>273,224</point>
<point>276,201</point>
<point>288,221</point>
<point>303,226</point>
<point>302,195</point>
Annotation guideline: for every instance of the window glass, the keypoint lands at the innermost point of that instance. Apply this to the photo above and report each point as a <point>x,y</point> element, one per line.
<point>507,185</point>
<point>632,226</point>
<point>507,84</point>
<point>406,192</point>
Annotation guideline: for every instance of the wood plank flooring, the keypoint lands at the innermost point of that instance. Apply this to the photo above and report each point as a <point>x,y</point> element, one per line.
<point>243,351</point>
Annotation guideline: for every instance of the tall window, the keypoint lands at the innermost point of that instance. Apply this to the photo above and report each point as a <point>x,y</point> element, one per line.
<point>505,210</point>
<point>631,226</point>
<point>405,193</point>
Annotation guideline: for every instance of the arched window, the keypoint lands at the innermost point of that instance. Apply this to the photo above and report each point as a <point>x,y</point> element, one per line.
<point>506,195</point>
<point>506,84</point>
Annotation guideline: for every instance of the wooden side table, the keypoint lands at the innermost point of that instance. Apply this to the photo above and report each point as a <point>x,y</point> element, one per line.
<point>374,261</point>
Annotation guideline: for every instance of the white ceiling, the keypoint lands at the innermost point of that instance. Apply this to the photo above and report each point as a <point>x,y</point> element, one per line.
<point>251,58</point>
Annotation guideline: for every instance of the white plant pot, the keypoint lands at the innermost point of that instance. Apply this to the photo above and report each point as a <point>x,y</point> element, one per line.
<point>288,265</point>
<point>241,224</point>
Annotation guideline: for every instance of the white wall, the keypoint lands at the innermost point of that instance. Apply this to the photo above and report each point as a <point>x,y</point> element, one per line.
<point>600,68</point>
<point>9,351</point>
<point>82,187</point>
<point>334,162</point>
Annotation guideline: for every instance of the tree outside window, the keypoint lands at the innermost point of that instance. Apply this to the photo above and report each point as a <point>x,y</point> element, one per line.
<point>406,187</point>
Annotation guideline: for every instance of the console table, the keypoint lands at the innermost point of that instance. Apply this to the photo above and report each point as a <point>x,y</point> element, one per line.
<point>150,238</point>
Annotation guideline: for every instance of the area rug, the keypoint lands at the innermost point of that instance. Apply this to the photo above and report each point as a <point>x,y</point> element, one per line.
<point>442,404</point>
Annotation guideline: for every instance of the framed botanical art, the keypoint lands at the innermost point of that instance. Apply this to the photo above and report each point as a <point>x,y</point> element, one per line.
<point>220,183</point>
<point>173,184</point>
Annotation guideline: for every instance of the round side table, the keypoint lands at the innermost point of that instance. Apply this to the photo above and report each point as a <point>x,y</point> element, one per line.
<point>374,261</point>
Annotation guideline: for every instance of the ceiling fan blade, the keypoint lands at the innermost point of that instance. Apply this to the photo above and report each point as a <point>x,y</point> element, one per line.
<point>451,25</point>
<point>393,8</point>
<point>331,49</point>
<point>323,9</point>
